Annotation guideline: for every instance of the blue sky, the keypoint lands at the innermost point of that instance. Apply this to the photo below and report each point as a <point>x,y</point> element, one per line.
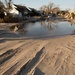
<point>63,4</point>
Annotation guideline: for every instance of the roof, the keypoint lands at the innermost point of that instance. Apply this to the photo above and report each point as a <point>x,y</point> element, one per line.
<point>21,8</point>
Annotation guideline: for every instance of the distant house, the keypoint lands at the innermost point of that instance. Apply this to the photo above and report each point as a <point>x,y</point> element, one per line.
<point>72,14</point>
<point>23,10</point>
<point>27,11</point>
<point>71,11</point>
<point>17,11</point>
<point>14,11</point>
<point>35,12</point>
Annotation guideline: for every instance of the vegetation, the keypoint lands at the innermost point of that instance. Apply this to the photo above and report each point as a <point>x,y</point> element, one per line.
<point>72,15</point>
<point>63,12</point>
<point>50,8</point>
<point>45,10</point>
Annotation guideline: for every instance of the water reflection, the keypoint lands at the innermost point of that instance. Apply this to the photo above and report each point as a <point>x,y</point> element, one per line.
<point>44,28</point>
<point>71,23</point>
<point>73,32</point>
<point>19,29</point>
<point>50,25</point>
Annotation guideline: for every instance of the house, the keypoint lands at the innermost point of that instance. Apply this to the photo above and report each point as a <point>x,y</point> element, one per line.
<point>27,11</point>
<point>23,10</point>
<point>19,12</point>
<point>14,11</point>
<point>35,12</point>
<point>71,14</point>
<point>71,11</point>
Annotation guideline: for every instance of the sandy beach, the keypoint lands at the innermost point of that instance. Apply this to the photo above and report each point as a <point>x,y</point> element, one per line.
<point>41,56</point>
<point>37,37</point>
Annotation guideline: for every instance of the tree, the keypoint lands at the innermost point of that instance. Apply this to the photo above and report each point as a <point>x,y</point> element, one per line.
<point>43,8</point>
<point>6,3</point>
<point>56,10</point>
<point>72,15</point>
<point>50,8</point>
<point>1,4</point>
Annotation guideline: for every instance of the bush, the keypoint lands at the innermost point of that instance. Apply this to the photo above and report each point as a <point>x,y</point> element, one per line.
<point>1,20</point>
<point>9,19</point>
<point>63,12</point>
<point>72,15</point>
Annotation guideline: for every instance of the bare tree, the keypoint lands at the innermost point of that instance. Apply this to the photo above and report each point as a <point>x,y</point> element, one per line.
<point>43,8</point>
<point>50,6</point>
<point>47,8</point>
<point>1,4</point>
<point>56,9</point>
<point>6,3</point>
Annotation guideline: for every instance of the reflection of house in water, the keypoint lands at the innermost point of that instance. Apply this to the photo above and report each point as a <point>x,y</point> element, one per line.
<point>21,29</point>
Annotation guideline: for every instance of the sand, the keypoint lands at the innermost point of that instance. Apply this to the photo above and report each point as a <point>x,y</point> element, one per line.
<point>54,56</point>
<point>41,56</point>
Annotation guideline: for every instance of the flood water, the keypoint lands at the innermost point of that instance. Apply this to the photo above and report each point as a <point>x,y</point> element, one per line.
<point>46,28</point>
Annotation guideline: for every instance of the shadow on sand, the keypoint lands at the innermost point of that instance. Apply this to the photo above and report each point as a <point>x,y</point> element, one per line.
<point>38,72</point>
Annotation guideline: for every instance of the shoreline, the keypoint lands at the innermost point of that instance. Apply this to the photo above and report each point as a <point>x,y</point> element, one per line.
<point>36,55</point>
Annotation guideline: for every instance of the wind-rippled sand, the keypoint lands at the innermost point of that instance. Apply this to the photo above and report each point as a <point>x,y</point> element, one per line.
<point>38,56</point>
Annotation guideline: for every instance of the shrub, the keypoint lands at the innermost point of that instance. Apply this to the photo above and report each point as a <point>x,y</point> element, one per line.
<point>1,20</point>
<point>9,19</point>
<point>63,12</point>
<point>72,15</point>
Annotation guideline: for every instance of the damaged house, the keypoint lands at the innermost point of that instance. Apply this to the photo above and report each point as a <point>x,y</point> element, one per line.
<point>2,13</point>
<point>14,12</point>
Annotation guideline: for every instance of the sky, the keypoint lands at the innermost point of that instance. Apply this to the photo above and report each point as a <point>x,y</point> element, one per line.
<point>63,4</point>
